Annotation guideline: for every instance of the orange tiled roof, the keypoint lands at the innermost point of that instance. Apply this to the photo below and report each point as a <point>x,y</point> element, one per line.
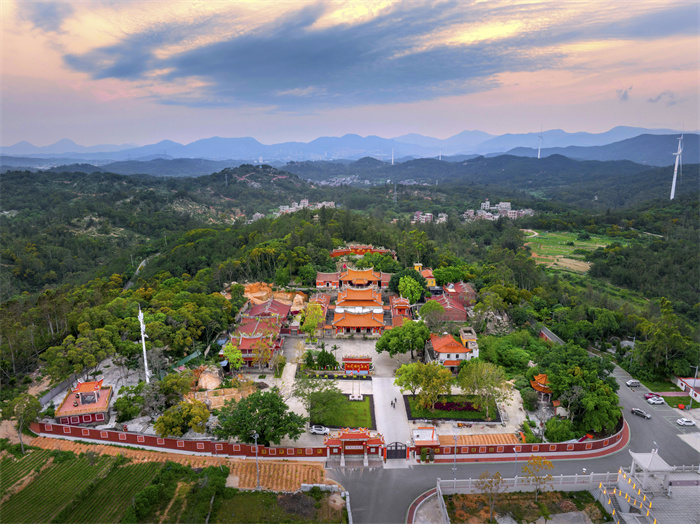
<point>540,383</point>
<point>359,297</point>
<point>357,275</point>
<point>446,344</point>
<point>67,409</point>
<point>88,387</point>
<point>427,273</point>
<point>477,440</point>
<point>358,320</point>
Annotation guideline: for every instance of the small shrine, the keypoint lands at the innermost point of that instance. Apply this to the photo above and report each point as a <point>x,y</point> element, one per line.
<point>87,403</point>
<point>540,383</point>
<point>355,442</point>
<point>357,364</point>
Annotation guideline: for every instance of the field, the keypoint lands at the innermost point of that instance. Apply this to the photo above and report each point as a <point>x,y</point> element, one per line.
<point>13,470</point>
<point>246,507</point>
<point>522,507</point>
<point>564,249</point>
<point>112,495</point>
<point>353,414</point>
<point>53,489</point>
<point>415,411</point>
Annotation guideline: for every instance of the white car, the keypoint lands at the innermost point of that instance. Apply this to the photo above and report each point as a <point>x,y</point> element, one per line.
<point>655,400</point>
<point>319,430</point>
<point>685,422</point>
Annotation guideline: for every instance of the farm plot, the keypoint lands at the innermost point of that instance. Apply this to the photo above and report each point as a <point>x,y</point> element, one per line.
<point>53,489</point>
<point>13,470</point>
<point>110,498</point>
<point>566,249</point>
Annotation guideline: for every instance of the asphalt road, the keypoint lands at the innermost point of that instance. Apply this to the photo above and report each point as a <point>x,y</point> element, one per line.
<point>382,496</point>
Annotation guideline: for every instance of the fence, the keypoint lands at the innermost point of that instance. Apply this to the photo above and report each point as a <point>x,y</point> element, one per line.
<point>527,449</point>
<point>559,483</point>
<point>180,445</point>
<point>56,390</point>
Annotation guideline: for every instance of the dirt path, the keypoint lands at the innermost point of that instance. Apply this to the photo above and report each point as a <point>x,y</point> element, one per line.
<point>274,475</point>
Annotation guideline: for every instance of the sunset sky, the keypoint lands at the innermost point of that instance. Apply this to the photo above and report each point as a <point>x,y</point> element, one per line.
<point>139,71</point>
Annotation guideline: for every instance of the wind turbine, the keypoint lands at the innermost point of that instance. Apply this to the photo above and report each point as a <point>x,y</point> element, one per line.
<point>679,160</point>
<point>539,144</point>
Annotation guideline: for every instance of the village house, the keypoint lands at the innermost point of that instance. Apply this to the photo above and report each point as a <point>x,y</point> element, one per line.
<point>447,351</point>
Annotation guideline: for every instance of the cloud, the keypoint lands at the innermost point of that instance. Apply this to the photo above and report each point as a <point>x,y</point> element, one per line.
<point>624,94</point>
<point>668,96</point>
<point>412,52</point>
<point>47,16</point>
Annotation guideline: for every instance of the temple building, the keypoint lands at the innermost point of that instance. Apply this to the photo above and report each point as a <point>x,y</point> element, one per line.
<point>88,403</point>
<point>447,351</point>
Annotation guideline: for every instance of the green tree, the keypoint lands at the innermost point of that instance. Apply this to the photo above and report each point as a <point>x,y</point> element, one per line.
<point>435,380</point>
<point>313,317</point>
<point>410,289</point>
<point>307,274</point>
<point>326,360</point>
<point>233,355</point>
<point>408,377</point>
<point>262,352</point>
<point>320,397</point>
<point>24,409</point>
<point>130,403</point>
<point>557,430</point>
<point>263,412</point>
<point>490,486</point>
<point>174,386</point>
<point>432,312</point>
<point>282,276</point>
<point>535,470</point>
<point>486,380</point>
<point>408,272</point>
<point>178,418</point>
<point>409,336</point>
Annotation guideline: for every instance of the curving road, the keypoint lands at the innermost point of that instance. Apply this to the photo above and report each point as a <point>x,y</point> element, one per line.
<point>383,496</point>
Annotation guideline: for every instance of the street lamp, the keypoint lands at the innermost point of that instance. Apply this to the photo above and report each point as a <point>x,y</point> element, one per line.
<point>257,467</point>
<point>657,447</point>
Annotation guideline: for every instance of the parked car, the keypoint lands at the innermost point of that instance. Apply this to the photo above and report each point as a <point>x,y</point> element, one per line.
<point>685,422</point>
<point>640,412</point>
<point>633,383</point>
<point>649,395</point>
<point>319,430</point>
<point>655,400</point>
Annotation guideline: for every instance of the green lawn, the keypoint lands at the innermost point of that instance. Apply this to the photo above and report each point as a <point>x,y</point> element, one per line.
<point>417,412</point>
<point>660,385</point>
<point>674,401</point>
<point>355,414</point>
<point>250,506</point>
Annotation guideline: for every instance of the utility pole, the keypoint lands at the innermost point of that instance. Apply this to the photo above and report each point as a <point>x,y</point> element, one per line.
<point>257,467</point>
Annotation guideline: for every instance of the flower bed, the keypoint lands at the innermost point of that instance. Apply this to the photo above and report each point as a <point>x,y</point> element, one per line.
<point>451,407</point>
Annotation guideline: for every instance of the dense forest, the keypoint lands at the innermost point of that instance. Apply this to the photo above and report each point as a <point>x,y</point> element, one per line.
<point>72,241</point>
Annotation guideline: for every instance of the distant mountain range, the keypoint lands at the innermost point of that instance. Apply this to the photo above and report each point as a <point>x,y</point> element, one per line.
<point>353,147</point>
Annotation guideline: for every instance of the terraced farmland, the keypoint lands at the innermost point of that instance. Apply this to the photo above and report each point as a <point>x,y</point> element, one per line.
<point>52,490</point>
<point>110,498</point>
<point>13,470</point>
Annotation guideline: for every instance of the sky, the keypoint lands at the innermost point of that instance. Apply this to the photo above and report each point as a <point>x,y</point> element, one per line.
<point>137,72</point>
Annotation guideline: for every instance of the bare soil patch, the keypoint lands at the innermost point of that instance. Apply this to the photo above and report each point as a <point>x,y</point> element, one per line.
<point>297,503</point>
<point>9,431</point>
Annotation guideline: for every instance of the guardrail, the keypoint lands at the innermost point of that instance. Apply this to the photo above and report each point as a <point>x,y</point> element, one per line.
<point>560,483</point>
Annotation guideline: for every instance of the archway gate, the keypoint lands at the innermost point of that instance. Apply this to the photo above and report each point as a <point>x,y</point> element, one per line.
<point>356,443</point>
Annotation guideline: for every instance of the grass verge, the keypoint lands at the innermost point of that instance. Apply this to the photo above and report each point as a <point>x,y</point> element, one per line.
<point>353,414</point>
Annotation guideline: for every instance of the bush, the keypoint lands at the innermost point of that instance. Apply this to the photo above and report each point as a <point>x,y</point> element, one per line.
<point>423,454</point>
<point>316,493</point>
<point>557,430</point>
<point>529,396</point>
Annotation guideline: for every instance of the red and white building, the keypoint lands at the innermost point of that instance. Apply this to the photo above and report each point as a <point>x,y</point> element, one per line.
<point>447,351</point>
<point>357,278</point>
<point>88,403</point>
<point>462,292</point>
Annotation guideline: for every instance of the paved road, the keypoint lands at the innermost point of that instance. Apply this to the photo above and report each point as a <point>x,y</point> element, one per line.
<point>383,496</point>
